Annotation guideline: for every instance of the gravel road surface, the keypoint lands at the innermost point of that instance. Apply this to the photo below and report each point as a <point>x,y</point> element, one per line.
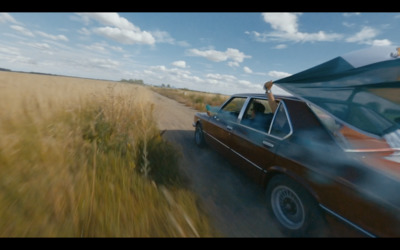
<point>234,203</point>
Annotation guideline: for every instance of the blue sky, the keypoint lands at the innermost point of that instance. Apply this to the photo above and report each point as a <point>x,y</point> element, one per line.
<point>221,52</point>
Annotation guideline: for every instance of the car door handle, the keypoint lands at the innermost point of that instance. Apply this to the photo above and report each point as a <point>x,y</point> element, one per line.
<point>229,128</point>
<point>267,144</point>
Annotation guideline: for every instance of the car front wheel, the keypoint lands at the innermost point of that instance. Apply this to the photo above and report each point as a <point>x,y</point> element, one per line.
<point>295,210</point>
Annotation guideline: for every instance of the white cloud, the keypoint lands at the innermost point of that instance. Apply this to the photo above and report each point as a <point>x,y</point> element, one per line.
<point>348,25</point>
<point>285,26</point>
<point>286,22</point>
<point>213,82</point>
<point>162,37</point>
<point>14,56</point>
<point>350,14</point>
<point>278,74</point>
<point>5,17</point>
<point>41,46</point>
<point>84,31</point>
<point>179,77</point>
<point>230,84</point>
<point>234,56</point>
<point>219,77</point>
<point>116,48</point>
<point>24,60</point>
<point>366,33</point>
<point>212,55</point>
<point>125,36</point>
<point>53,37</point>
<point>183,43</point>
<point>29,33</point>
<point>102,47</point>
<point>120,29</point>
<point>247,70</point>
<point>22,30</point>
<point>233,64</point>
<point>111,19</point>
<point>97,47</point>
<point>366,36</point>
<point>9,50</point>
<point>102,63</point>
<point>281,46</point>
<point>383,42</point>
<point>180,64</point>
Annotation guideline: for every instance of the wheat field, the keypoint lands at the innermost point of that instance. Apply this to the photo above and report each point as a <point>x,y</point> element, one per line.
<point>74,162</point>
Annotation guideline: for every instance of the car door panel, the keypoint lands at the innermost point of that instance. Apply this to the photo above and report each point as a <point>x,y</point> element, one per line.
<point>222,124</point>
<point>253,145</point>
<point>255,148</point>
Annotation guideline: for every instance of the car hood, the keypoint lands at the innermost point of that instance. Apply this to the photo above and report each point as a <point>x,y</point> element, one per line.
<point>357,87</point>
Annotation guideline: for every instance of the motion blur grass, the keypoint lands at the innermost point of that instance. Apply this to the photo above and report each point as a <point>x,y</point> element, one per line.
<point>84,158</point>
<point>194,99</point>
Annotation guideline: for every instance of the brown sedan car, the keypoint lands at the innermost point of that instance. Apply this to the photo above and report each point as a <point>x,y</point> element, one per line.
<point>315,169</point>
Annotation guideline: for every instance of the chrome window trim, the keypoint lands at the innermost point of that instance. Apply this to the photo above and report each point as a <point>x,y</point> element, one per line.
<point>245,104</point>
<point>281,103</point>
<point>267,133</point>
<point>234,97</point>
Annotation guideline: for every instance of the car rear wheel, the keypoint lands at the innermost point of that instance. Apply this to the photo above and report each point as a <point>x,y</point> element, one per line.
<point>199,136</point>
<point>295,210</point>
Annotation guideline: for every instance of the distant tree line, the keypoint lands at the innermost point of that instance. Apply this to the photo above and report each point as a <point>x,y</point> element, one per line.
<point>134,81</point>
<point>138,81</point>
<point>165,86</point>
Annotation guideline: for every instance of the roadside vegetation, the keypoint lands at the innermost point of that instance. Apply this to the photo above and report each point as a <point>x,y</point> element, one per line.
<point>84,158</point>
<point>194,99</point>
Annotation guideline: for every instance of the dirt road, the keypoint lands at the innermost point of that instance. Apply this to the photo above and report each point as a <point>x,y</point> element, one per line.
<point>234,203</point>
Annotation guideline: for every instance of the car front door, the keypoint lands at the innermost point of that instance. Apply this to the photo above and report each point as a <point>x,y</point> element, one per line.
<point>222,123</point>
<point>256,145</point>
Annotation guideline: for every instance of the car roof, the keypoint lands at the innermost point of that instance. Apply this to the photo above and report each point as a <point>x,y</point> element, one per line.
<point>264,96</point>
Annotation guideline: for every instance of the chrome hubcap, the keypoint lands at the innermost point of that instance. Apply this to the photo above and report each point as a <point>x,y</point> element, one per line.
<point>288,207</point>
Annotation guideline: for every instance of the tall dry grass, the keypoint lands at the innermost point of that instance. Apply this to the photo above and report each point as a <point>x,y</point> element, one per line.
<point>77,160</point>
<point>194,99</point>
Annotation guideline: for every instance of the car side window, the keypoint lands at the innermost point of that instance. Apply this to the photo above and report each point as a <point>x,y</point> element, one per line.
<point>258,115</point>
<point>232,108</point>
<point>281,125</point>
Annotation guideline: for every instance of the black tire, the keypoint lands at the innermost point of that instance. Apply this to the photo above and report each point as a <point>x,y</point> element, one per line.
<point>199,136</point>
<point>294,209</point>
